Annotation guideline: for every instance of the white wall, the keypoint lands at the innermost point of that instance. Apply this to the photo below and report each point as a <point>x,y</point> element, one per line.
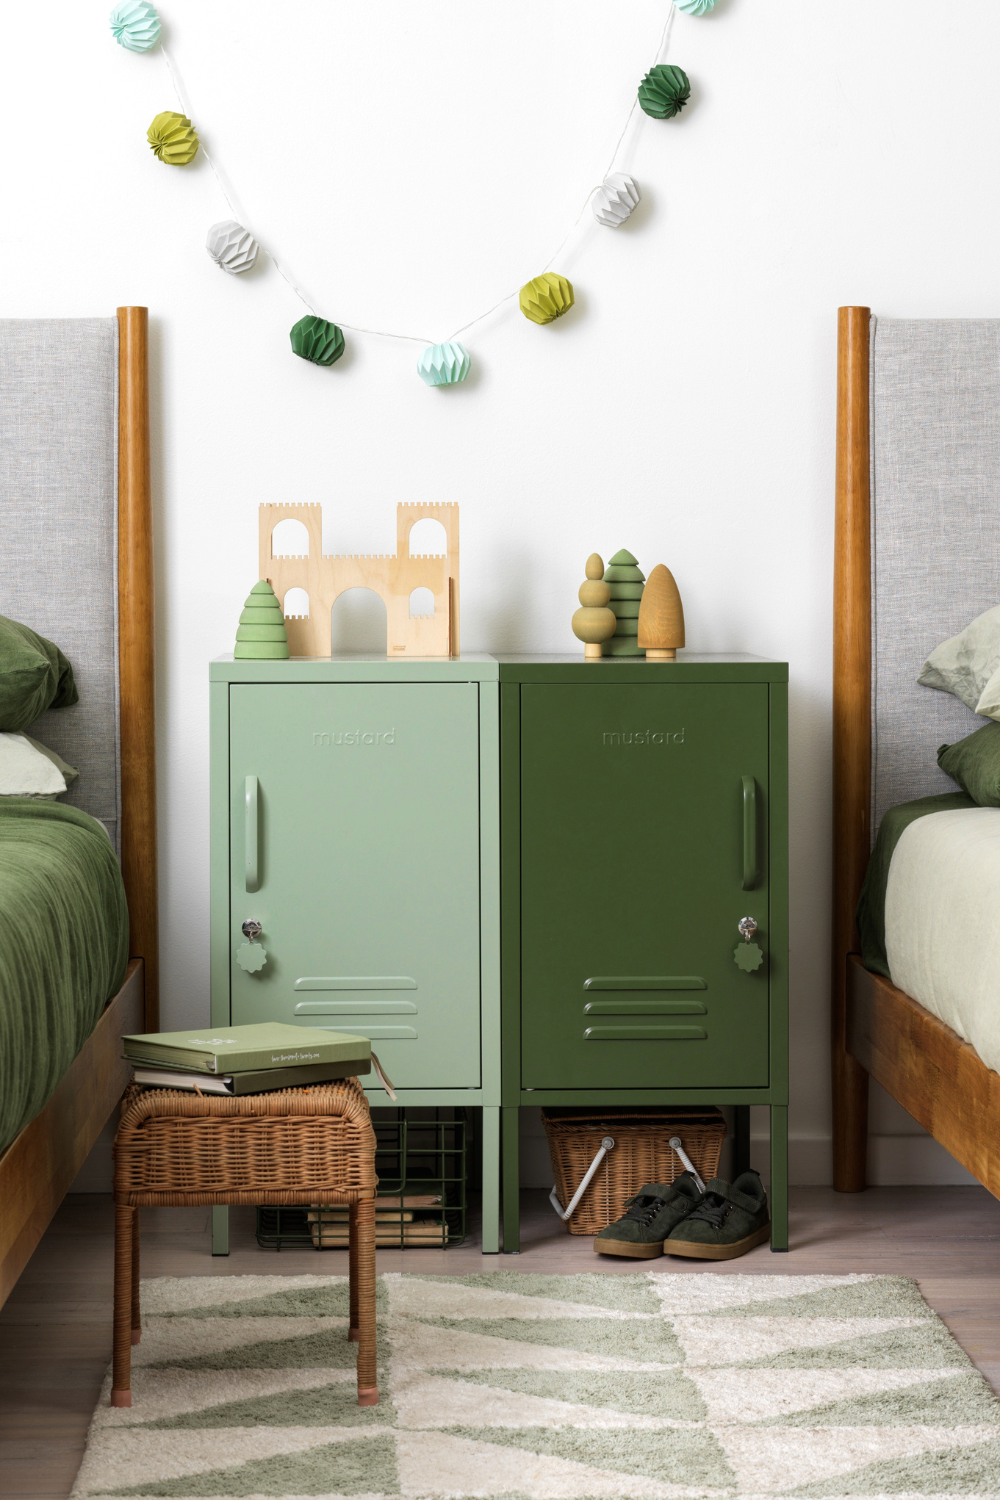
<point>412,160</point>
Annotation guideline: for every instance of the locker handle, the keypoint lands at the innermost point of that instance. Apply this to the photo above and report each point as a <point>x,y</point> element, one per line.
<point>750,870</point>
<point>250,847</point>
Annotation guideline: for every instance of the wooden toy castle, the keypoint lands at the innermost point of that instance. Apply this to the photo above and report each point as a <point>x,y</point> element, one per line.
<point>392,577</point>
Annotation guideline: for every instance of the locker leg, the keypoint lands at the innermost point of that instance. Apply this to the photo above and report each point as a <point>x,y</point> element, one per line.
<point>779,1176</point>
<point>220,1231</point>
<point>741,1139</point>
<point>491,1179</point>
<point>511,1181</point>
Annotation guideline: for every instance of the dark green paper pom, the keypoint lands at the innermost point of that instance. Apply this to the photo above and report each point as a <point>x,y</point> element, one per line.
<point>664,91</point>
<point>317,340</point>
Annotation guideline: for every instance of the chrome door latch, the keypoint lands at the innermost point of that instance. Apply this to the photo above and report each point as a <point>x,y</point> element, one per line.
<point>250,957</point>
<point>748,956</point>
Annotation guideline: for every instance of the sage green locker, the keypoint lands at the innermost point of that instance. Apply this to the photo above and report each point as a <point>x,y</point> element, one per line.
<point>643,819</point>
<point>354,841</point>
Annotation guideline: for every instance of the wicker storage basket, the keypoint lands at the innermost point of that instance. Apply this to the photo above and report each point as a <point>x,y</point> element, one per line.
<point>641,1154</point>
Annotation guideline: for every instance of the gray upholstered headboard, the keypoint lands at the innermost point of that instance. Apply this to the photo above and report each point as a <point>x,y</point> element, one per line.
<point>935,440</point>
<point>59,518</point>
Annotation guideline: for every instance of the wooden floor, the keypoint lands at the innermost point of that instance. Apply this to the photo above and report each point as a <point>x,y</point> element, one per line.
<point>55,1330</point>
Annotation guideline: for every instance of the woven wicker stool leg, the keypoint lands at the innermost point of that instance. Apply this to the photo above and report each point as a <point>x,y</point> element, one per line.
<point>363,1214</point>
<point>136,1314</point>
<point>121,1379</point>
<point>353,1332</point>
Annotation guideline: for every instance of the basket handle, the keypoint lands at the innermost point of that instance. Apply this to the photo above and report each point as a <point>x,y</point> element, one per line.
<point>676,1144</point>
<point>564,1213</point>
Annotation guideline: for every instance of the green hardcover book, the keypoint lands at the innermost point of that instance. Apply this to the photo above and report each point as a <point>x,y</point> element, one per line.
<point>242,1049</point>
<point>257,1081</point>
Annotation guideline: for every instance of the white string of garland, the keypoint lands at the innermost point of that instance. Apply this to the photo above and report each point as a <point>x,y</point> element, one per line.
<point>662,94</point>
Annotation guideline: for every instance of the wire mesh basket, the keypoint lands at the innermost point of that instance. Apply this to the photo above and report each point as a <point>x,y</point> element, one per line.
<point>421,1160</point>
<point>640,1153</point>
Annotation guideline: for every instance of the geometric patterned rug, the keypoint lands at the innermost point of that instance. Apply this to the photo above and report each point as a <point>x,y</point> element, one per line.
<point>512,1386</point>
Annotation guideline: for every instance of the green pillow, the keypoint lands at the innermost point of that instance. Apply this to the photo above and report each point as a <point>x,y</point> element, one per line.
<point>34,676</point>
<point>975,764</point>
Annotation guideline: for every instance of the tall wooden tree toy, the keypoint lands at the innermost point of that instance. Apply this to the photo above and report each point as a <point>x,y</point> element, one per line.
<point>261,635</point>
<point>661,616</point>
<point>594,622</point>
<point>625,581</point>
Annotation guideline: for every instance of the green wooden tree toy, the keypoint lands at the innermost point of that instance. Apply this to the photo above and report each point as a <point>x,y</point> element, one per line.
<point>262,635</point>
<point>626,583</point>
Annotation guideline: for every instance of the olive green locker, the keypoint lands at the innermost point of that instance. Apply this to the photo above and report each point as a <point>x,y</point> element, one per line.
<point>644,819</point>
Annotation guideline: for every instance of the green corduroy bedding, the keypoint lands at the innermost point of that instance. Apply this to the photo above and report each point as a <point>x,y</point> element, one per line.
<point>63,947</point>
<point>870,914</point>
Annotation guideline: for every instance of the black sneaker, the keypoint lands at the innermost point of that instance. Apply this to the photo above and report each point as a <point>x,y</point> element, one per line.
<point>648,1218</point>
<point>727,1222</point>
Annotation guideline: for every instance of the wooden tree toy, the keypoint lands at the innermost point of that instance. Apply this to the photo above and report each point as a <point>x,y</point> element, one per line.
<point>393,577</point>
<point>661,616</point>
<point>594,623</point>
<point>261,635</point>
<point>625,581</point>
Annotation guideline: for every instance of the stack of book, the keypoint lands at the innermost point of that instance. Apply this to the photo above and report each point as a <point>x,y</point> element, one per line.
<point>231,1060</point>
<point>395,1222</point>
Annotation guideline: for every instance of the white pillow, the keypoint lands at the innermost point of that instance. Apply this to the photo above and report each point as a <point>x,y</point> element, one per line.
<point>28,769</point>
<point>967,663</point>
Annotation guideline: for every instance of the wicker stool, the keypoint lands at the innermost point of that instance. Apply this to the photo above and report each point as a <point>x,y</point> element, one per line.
<point>176,1149</point>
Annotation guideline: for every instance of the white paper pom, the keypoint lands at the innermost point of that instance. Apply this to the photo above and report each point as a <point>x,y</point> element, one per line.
<point>615,199</point>
<point>231,246</point>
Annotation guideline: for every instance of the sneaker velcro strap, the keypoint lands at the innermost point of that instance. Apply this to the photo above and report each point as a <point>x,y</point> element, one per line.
<point>733,1195</point>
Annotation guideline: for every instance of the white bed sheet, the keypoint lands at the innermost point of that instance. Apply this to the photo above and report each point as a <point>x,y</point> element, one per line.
<point>942,922</point>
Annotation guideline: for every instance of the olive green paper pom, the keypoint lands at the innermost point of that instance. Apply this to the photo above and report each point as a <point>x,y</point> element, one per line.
<point>317,340</point>
<point>546,297</point>
<point>262,635</point>
<point>173,138</point>
<point>664,91</point>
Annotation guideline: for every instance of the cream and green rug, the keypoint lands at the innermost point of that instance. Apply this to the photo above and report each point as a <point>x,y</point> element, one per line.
<point>509,1385</point>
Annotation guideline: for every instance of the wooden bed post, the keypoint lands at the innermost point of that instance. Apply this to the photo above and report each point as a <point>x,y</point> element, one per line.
<point>135,654</point>
<point>852,739</point>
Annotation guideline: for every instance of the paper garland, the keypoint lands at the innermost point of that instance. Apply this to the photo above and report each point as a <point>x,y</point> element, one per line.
<point>662,94</point>
<point>615,199</point>
<point>173,138</point>
<point>135,25</point>
<point>317,340</point>
<point>444,364</point>
<point>232,247</point>
<point>664,91</point>
<point>546,298</point>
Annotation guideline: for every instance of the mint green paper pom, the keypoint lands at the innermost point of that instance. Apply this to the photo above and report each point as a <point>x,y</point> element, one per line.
<point>444,364</point>
<point>664,91</point>
<point>317,340</point>
<point>694,7</point>
<point>135,25</point>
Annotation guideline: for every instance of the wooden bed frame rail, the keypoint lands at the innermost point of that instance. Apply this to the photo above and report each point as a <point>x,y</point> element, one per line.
<point>39,1166</point>
<point>852,735</point>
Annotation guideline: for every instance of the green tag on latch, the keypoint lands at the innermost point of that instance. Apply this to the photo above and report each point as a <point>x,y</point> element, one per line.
<point>748,957</point>
<point>251,957</point>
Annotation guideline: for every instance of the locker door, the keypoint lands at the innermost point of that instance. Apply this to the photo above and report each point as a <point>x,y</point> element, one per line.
<point>634,858</point>
<point>367,867</point>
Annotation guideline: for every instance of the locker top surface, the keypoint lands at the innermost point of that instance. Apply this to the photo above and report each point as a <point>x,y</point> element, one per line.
<point>357,667</point>
<point>690,666</point>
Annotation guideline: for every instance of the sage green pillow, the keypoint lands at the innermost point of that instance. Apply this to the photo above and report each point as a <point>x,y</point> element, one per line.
<point>965,664</point>
<point>34,676</point>
<point>975,764</point>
